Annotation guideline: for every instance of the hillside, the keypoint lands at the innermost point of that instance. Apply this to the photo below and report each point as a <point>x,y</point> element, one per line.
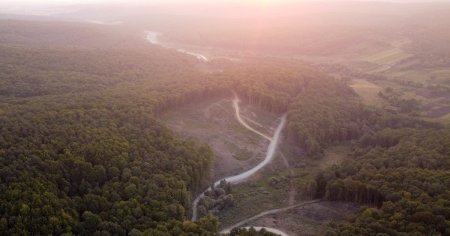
<point>81,150</point>
<point>302,119</point>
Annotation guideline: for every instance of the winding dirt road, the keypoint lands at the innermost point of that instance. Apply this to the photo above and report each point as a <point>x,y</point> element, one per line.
<point>265,213</point>
<point>245,175</point>
<point>153,38</point>
<point>243,122</point>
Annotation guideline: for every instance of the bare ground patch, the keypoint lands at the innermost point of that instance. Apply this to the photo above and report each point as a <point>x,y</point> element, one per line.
<point>213,122</point>
<point>311,219</point>
<point>258,118</point>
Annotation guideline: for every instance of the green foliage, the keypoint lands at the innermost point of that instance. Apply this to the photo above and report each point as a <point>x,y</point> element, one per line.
<point>326,112</point>
<point>81,152</point>
<point>404,172</point>
<point>321,110</point>
<point>250,232</point>
<point>218,198</point>
<point>394,98</point>
<point>207,226</point>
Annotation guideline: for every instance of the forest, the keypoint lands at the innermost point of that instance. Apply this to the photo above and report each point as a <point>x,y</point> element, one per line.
<point>82,152</point>
<point>402,175</point>
<point>399,166</point>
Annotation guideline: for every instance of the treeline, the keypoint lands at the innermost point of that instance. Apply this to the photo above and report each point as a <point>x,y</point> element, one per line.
<point>327,111</point>
<point>81,151</point>
<point>92,165</point>
<point>400,166</point>
<point>404,174</point>
<point>268,84</point>
<point>395,99</point>
<point>321,110</point>
<point>217,198</point>
<point>69,35</point>
<point>250,232</point>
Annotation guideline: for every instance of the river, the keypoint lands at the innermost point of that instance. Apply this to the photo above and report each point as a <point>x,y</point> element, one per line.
<point>153,38</point>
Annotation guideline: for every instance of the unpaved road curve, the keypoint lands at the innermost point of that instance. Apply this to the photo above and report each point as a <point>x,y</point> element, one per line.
<point>243,122</point>
<point>245,175</point>
<point>265,213</point>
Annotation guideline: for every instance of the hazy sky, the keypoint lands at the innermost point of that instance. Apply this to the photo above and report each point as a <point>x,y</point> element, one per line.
<point>65,2</point>
<point>14,6</point>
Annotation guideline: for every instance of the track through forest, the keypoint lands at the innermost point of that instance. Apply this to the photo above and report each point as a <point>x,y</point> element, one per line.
<point>274,141</point>
<point>152,37</point>
<point>268,212</point>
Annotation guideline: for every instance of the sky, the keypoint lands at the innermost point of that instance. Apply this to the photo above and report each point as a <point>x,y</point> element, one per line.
<point>69,2</point>
<point>36,6</point>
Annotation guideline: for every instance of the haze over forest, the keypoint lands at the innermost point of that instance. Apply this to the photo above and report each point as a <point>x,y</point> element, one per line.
<point>240,118</point>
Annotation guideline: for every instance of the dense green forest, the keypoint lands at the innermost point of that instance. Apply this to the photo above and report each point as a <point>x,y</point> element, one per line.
<point>82,153</point>
<point>321,110</point>
<point>399,165</point>
<point>404,174</point>
<point>250,232</point>
<point>81,150</point>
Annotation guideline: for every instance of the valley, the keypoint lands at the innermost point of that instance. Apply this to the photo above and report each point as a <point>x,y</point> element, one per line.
<point>199,122</point>
<point>234,119</point>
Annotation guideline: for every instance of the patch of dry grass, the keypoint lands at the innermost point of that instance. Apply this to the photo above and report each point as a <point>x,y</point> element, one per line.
<point>388,57</point>
<point>368,92</point>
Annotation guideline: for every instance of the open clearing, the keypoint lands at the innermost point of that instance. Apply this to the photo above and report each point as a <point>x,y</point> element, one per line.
<point>236,149</point>
<point>271,189</point>
<point>310,219</point>
<point>445,119</point>
<point>267,190</point>
<point>439,76</point>
<point>368,92</point>
<point>429,87</point>
<point>388,57</point>
<point>213,122</point>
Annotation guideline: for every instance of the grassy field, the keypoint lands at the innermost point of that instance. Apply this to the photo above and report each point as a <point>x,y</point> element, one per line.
<point>311,219</point>
<point>368,92</point>
<point>442,76</point>
<point>425,76</point>
<point>387,57</point>
<point>271,188</point>
<point>278,185</point>
<point>213,122</point>
<point>425,86</point>
<point>263,192</point>
<point>444,119</point>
